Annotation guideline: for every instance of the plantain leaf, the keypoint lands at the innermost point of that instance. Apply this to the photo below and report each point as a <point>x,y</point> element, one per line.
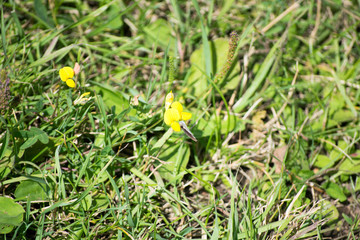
<point>11,215</point>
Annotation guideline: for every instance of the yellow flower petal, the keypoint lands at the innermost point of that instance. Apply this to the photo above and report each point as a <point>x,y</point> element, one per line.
<point>70,83</point>
<point>171,115</point>
<point>167,117</point>
<point>66,73</point>
<point>176,126</point>
<point>185,116</point>
<point>176,105</point>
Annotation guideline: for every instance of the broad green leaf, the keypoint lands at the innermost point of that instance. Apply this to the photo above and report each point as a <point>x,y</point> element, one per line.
<point>342,145</point>
<point>197,81</point>
<point>76,230</point>
<point>343,116</point>
<point>32,136</point>
<point>344,94</point>
<point>32,190</point>
<point>113,21</point>
<point>328,208</point>
<point>29,143</point>
<point>112,97</point>
<point>92,15</point>
<point>323,161</point>
<point>216,230</point>
<point>357,185</point>
<point>259,78</point>
<point>4,144</point>
<point>318,125</point>
<point>86,202</point>
<point>121,72</point>
<point>100,201</point>
<point>206,127</point>
<point>334,191</point>
<point>157,146</point>
<point>176,157</point>
<point>99,141</point>
<point>11,215</point>
<point>37,151</point>
<point>227,5</point>
<point>6,163</point>
<point>40,134</point>
<point>204,36</point>
<point>336,103</point>
<point>235,124</point>
<point>41,12</point>
<point>102,176</point>
<point>4,170</point>
<point>335,155</point>
<point>5,228</point>
<point>159,33</point>
<point>350,167</point>
<point>23,134</point>
<point>347,219</point>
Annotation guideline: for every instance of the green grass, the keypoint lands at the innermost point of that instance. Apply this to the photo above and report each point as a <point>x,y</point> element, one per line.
<point>277,120</point>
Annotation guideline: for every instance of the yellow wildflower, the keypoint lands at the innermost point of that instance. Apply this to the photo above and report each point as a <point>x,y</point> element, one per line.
<point>66,75</point>
<point>175,116</point>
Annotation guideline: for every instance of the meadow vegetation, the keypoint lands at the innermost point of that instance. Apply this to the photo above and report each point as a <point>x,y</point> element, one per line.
<point>91,147</point>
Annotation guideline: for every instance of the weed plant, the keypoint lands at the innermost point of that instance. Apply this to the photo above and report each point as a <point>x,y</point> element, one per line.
<point>258,139</point>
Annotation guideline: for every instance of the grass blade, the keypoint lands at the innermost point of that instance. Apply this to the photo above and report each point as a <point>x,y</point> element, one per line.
<point>259,78</point>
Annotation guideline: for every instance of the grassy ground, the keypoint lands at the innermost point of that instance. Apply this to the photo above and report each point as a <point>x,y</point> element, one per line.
<point>273,88</point>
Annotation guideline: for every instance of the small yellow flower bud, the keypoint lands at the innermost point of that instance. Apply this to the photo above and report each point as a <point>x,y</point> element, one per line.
<point>169,99</point>
<point>76,68</point>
